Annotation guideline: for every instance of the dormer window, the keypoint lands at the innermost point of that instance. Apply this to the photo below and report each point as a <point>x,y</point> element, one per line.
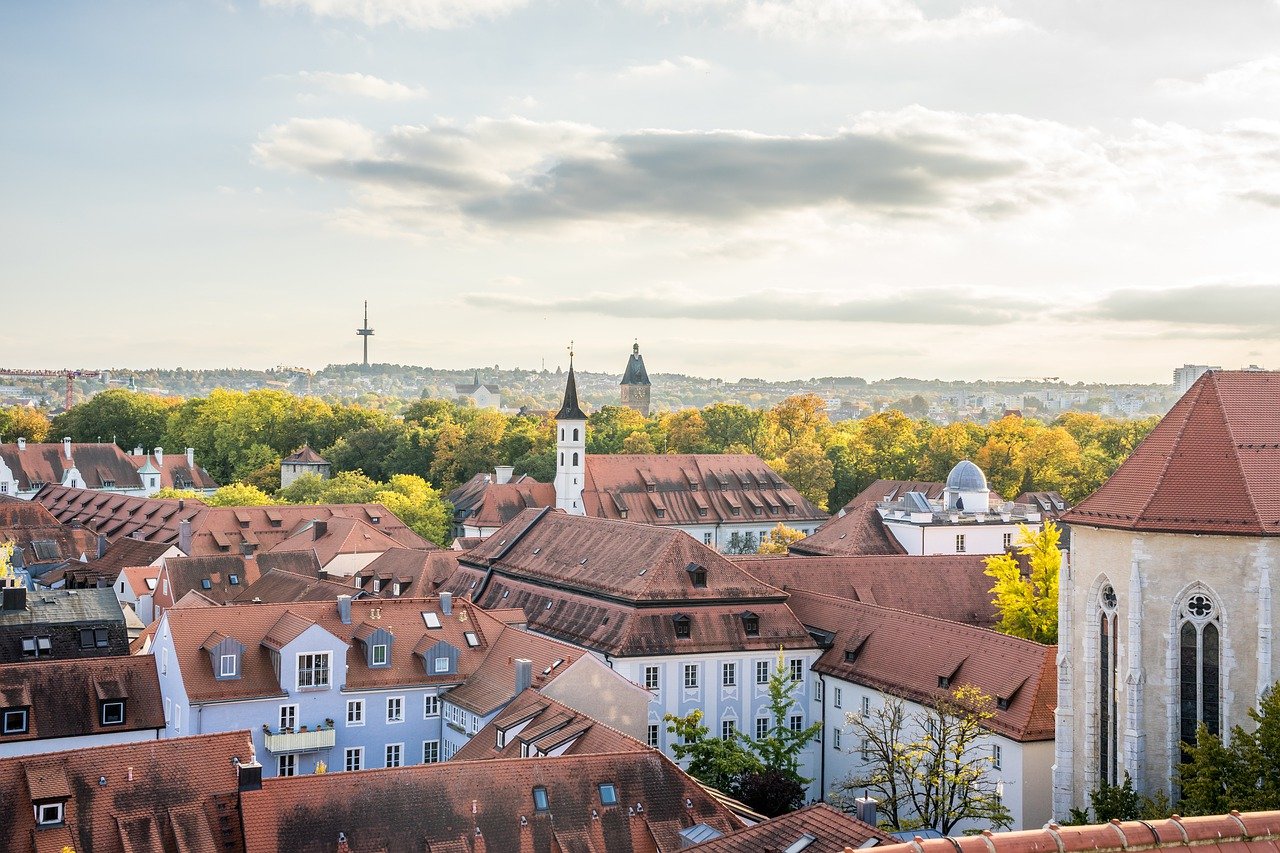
<point>48,814</point>
<point>14,721</point>
<point>735,511</point>
<point>108,484</point>
<point>112,712</point>
<point>662,513</point>
<point>378,657</point>
<point>697,575</point>
<point>682,626</point>
<point>702,512</point>
<point>750,624</point>
<point>944,681</point>
<point>1002,703</point>
<point>93,638</point>
<point>227,666</point>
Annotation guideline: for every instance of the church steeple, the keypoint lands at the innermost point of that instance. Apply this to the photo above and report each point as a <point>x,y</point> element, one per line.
<point>635,383</point>
<point>571,448</point>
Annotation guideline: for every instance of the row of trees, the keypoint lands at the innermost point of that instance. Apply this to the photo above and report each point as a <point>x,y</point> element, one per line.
<point>241,436</point>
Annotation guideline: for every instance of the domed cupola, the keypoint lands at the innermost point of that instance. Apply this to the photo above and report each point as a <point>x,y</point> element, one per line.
<point>966,489</point>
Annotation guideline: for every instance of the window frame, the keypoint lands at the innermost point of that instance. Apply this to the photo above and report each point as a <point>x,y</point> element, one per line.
<point>24,713</point>
<point>608,793</point>
<point>396,702</point>
<point>222,666</point>
<point>652,677</point>
<point>289,760</point>
<point>111,703</point>
<point>356,719</point>
<point>58,810</point>
<point>541,799</point>
<point>350,752</point>
<point>653,735</point>
<point>430,706</point>
<point>399,755</point>
<point>318,677</point>
<point>376,659</point>
<point>762,672</point>
<point>729,674</point>
<point>691,676</point>
<point>289,712</point>
<point>429,755</point>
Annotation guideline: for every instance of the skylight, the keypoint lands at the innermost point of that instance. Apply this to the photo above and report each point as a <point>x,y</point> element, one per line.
<point>432,619</point>
<point>802,843</point>
<point>472,639</point>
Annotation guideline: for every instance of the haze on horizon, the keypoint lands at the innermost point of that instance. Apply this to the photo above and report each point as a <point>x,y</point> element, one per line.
<point>879,188</point>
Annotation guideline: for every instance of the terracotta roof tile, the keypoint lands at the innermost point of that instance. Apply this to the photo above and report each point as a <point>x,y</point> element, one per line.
<point>1212,464</point>
<point>98,464</point>
<point>305,456</point>
<point>832,832</point>
<point>26,523</point>
<point>589,736</point>
<point>492,683</point>
<point>63,696</point>
<point>860,531</point>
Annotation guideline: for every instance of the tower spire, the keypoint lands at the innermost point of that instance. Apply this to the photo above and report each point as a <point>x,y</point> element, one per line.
<point>569,409</point>
<point>364,332</point>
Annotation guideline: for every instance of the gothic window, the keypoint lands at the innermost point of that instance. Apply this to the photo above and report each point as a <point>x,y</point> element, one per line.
<point>575,433</point>
<point>575,460</point>
<point>1199,654</point>
<point>1108,671</point>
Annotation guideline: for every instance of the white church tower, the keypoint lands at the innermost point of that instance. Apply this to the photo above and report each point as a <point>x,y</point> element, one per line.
<point>571,449</point>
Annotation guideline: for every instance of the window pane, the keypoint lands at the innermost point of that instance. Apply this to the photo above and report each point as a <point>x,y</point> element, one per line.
<point>1187,684</point>
<point>1209,678</point>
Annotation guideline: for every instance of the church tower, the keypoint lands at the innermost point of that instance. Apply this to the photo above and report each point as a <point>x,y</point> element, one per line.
<point>635,383</point>
<point>571,448</point>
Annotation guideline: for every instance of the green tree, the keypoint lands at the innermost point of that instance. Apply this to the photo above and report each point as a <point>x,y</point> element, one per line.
<point>731,425</point>
<point>23,422</point>
<point>609,427</point>
<point>718,762</point>
<point>1028,606</point>
<point>637,442</point>
<point>809,471</point>
<point>239,494</point>
<point>1244,774</point>
<point>933,768</point>
<point>129,418</point>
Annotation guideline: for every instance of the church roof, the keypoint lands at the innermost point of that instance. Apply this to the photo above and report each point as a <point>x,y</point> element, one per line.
<point>1212,464</point>
<point>635,373</point>
<point>569,409</point>
<point>305,456</point>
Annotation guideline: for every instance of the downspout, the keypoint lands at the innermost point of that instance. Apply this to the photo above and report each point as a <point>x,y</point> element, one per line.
<point>822,744</point>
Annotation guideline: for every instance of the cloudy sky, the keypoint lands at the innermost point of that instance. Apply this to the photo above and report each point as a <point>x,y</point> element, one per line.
<point>936,188</point>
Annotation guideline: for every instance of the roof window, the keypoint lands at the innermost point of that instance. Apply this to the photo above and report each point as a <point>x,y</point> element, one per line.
<point>541,801</point>
<point>206,584</point>
<point>682,626</point>
<point>801,843</point>
<point>472,639</point>
<point>608,794</point>
<point>431,619</point>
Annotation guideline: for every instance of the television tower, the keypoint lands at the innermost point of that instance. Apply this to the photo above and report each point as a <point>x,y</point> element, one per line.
<point>365,332</point>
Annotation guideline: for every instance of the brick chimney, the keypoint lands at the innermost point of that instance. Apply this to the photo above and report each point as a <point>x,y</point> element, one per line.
<point>319,528</point>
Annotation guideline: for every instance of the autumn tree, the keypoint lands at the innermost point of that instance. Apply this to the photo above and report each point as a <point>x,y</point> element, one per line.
<point>732,425</point>
<point>809,471</point>
<point>409,497</point>
<point>23,422</point>
<point>1028,605</point>
<point>779,540</point>
<point>931,766</point>
<point>686,432</point>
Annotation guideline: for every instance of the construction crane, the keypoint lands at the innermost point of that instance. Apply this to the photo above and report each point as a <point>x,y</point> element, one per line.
<point>71,376</point>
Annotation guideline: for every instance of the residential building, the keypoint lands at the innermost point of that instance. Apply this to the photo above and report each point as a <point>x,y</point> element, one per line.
<point>164,796</point>
<point>534,725</point>
<point>25,468</point>
<point>635,385</point>
<point>1167,609</point>
<point>813,829</point>
<point>1184,377</point>
<point>222,578</point>
<point>483,395</point>
<point>350,684</point>
<point>55,705</point>
<point>872,653</point>
<point>302,462</point>
<point>487,501</point>
<point>623,802</point>
<point>60,624</point>
<point>41,543</point>
<point>664,611</point>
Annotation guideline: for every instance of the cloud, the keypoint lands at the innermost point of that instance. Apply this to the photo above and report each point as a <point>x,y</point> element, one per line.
<point>666,68</point>
<point>362,85</point>
<point>510,173</point>
<point>1257,78</point>
<point>929,307</point>
<point>416,14</point>
<point>892,20</point>
<point>1244,306</point>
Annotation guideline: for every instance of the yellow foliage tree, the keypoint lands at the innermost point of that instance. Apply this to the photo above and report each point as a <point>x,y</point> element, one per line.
<point>779,540</point>
<point>6,554</point>
<point>1028,606</point>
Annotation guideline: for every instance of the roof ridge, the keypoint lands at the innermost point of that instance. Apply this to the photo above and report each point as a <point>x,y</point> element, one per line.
<point>1235,457</point>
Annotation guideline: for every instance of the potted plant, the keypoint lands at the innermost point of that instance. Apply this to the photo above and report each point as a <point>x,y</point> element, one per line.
<point>328,722</point>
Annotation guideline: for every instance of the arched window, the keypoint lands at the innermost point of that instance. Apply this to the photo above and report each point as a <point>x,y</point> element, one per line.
<point>575,460</point>
<point>562,459</point>
<point>575,433</point>
<point>1108,671</point>
<point>562,433</point>
<point>1199,653</point>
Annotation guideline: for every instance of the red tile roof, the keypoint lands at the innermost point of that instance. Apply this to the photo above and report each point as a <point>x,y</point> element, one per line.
<point>832,832</point>
<point>305,456</point>
<point>117,516</point>
<point>62,695</point>
<point>948,586</point>
<point>691,489</point>
<point>27,522</point>
<point>176,472</point>
<point>619,587</point>
<point>492,684</point>
<point>175,795</point>
<point>547,725</point>
<point>905,655</point>
<point>277,586</point>
<point>181,575</point>
<point>98,463</point>
<point>1251,832</point>
<point>485,807</point>
<point>501,503</point>
<point>860,531</point>
<point>419,573</point>
<point>888,490</point>
<point>1212,464</point>
<point>143,580</point>
<point>339,537</point>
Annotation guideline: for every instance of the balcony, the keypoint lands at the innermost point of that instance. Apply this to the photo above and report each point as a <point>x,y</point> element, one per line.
<point>310,741</point>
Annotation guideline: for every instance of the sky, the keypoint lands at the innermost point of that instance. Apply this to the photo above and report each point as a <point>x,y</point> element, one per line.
<point>1085,189</point>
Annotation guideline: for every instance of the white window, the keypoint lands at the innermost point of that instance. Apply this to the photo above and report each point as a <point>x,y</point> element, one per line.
<point>995,756</point>
<point>113,713</point>
<point>650,678</point>
<point>447,749</point>
<point>866,749</point>
<point>431,706</point>
<point>164,660</point>
<point>866,706</point>
<point>380,654</point>
<point>395,709</point>
<point>442,665</point>
<point>167,710</point>
<point>691,675</point>
<point>817,689</point>
<point>313,670</point>
<point>837,697</point>
<point>14,721</point>
<point>797,669</point>
<point>835,738</point>
<point>353,758</point>
<point>288,716</point>
<point>652,735</point>
<point>727,728</point>
<point>430,751</point>
<point>762,672</point>
<point>729,675</point>
<point>228,667</point>
<point>959,543</point>
<point>1008,540</point>
<point>177,718</point>
<point>706,537</point>
<point>355,712</point>
<point>49,814</point>
<point>287,765</point>
<point>797,722</point>
<point>762,727</point>
<point>394,753</point>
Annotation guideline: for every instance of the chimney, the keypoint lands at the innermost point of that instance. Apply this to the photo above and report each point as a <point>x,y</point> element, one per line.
<point>159,453</point>
<point>15,598</point>
<point>246,550</point>
<point>446,603</point>
<point>66,447</point>
<point>250,776</point>
<point>865,809</point>
<point>524,675</point>
<point>102,545</point>
<point>22,444</point>
<point>344,609</point>
<point>502,474</point>
<point>191,457</point>
<point>137,450</point>
<point>184,534</point>
<point>319,528</point>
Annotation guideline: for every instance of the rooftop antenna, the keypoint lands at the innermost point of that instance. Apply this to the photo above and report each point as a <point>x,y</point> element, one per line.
<point>365,332</point>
